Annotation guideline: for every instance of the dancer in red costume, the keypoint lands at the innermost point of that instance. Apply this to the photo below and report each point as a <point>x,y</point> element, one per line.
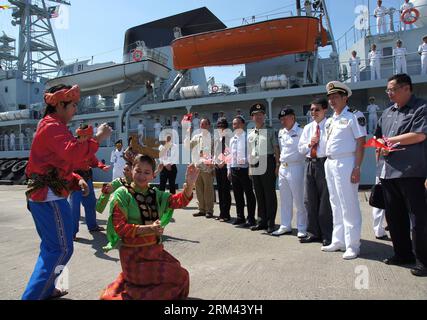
<point>53,157</point>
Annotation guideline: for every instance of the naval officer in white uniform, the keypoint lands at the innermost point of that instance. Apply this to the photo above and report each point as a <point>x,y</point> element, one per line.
<point>399,55</point>
<point>345,137</point>
<point>422,50</point>
<point>291,175</point>
<point>118,160</point>
<point>372,109</point>
<point>354,63</point>
<point>380,12</point>
<point>374,57</point>
<point>406,6</point>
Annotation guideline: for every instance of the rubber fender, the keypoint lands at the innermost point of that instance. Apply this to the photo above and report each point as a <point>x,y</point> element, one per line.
<point>19,166</point>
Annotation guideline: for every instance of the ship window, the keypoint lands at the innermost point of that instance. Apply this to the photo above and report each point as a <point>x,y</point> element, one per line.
<point>6,89</point>
<point>36,90</point>
<point>387,51</point>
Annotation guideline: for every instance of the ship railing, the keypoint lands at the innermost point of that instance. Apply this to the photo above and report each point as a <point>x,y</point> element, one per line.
<point>388,68</point>
<point>356,33</point>
<point>156,55</point>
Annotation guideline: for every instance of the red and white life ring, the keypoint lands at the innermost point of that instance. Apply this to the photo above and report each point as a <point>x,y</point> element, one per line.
<point>410,16</point>
<point>215,88</point>
<point>137,55</point>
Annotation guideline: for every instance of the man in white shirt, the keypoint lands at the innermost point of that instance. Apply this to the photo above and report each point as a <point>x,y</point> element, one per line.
<point>380,12</point>
<point>354,63</point>
<point>399,55</point>
<point>238,173</point>
<point>196,122</point>
<point>407,5</point>
<point>345,138</point>
<point>175,128</point>
<point>21,141</point>
<point>6,141</point>
<point>374,57</point>
<point>168,157</point>
<point>291,175</point>
<point>422,50</point>
<point>372,109</point>
<point>12,141</point>
<point>157,129</point>
<point>29,136</point>
<point>312,145</point>
<point>118,160</point>
<point>141,129</point>
<point>222,137</point>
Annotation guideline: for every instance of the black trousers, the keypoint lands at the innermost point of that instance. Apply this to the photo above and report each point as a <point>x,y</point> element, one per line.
<point>242,184</point>
<point>165,176</point>
<point>265,193</point>
<point>224,190</point>
<point>316,200</point>
<point>405,196</point>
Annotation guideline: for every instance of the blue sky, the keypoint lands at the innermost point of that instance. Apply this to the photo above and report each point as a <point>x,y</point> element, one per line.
<point>97,27</point>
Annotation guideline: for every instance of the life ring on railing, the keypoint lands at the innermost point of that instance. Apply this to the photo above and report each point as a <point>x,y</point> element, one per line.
<point>215,88</point>
<point>410,16</point>
<point>137,55</point>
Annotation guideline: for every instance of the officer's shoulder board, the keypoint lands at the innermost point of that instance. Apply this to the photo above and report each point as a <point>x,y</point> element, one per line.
<point>359,115</point>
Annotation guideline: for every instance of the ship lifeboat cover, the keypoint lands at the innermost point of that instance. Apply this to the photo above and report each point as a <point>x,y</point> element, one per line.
<point>249,43</point>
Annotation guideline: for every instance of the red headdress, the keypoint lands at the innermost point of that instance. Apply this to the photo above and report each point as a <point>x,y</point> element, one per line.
<point>64,95</point>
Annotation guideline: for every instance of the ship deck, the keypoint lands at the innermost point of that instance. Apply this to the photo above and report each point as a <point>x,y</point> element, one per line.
<point>224,262</point>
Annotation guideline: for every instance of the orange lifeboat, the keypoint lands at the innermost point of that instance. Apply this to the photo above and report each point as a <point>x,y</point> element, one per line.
<point>249,43</point>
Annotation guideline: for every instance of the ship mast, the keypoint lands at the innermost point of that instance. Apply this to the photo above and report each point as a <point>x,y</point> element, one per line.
<point>38,50</point>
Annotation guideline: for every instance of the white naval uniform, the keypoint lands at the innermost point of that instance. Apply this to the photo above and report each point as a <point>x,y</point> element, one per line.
<point>12,142</point>
<point>118,163</point>
<point>157,129</point>
<point>309,117</point>
<point>141,130</point>
<point>196,123</point>
<point>378,216</point>
<point>291,178</point>
<point>6,142</point>
<point>372,117</point>
<point>422,49</point>
<point>342,132</point>
<point>399,60</point>
<point>375,64</point>
<point>175,128</point>
<point>404,7</point>
<point>380,13</point>
<point>21,141</point>
<point>354,68</point>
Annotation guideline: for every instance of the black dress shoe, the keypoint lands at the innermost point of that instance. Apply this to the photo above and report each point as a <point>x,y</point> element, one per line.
<point>419,271</point>
<point>209,215</point>
<point>247,225</point>
<point>270,229</point>
<point>326,242</point>
<point>198,214</point>
<point>238,222</point>
<point>384,237</point>
<point>398,261</point>
<point>258,227</point>
<point>309,239</point>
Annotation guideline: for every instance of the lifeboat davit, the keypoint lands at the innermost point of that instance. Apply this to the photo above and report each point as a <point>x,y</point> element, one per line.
<point>249,43</point>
